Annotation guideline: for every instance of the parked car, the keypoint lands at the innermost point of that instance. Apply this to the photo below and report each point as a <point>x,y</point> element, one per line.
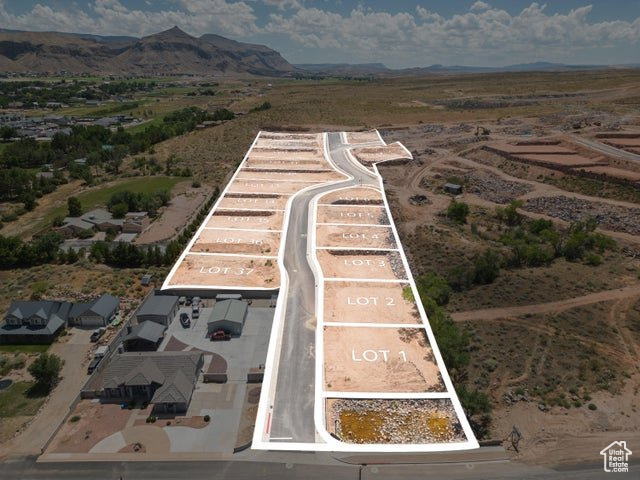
<point>220,335</point>
<point>196,301</point>
<point>185,321</point>
<point>182,300</point>
<point>97,333</point>
<point>195,313</point>
<point>93,365</point>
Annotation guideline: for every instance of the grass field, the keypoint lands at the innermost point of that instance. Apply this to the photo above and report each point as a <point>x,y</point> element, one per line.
<point>24,348</point>
<point>99,196</point>
<point>17,400</point>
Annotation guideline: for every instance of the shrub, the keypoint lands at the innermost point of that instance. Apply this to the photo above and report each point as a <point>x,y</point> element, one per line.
<point>458,211</point>
<point>196,184</point>
<point>592,406</point>
<point>207,418</point>
<point>74,419</point>
<point>486,268</point>
<point>593,259</point>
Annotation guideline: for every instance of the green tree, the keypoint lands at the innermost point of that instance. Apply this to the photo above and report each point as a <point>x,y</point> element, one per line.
<point>74,206</point>
<point>46,370</point>
<point>458,211</point>
<point>486,267</point>
<point>119,210</point>
<point>435,287</point>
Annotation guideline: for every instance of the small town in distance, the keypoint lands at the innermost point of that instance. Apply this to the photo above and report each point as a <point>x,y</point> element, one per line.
<point>225,259</point>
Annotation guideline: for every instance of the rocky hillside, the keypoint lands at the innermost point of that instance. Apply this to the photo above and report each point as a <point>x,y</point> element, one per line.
<point>166,53</point>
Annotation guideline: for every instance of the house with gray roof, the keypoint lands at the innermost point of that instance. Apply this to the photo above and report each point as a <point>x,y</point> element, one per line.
<point>228,315</point>
<point>144,337</point>
<point>98,313</point>
<point>165,379</point>
<point>158,308</point>
<point>98,218</point>
<point>37,322</point>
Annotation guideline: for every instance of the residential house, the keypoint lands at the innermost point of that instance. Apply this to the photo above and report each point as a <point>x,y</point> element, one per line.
<point>165,379</point>
<point>135,222</point>
<point>158,308</point>
<point>97,218</point>
<point>143,337</point>
<point>98,313</point>
<point>37,322</point>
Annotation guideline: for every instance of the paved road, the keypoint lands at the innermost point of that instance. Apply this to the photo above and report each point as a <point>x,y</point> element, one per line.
<point>606,149</point>
<point>294,466</point>
<point>292,416</point>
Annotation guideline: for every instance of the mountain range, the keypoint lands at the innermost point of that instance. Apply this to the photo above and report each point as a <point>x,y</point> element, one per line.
<point>379,69</point>
<point>172,52</point>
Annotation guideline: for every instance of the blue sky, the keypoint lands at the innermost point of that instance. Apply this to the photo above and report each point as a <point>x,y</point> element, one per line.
<point>398,33</point>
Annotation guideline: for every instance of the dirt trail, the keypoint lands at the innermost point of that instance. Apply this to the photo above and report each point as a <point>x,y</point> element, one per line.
<point>558,306</point>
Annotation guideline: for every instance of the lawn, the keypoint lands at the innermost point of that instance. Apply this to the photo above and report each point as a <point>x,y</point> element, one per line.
<point>16,401</point>
<point>100,194</point>
<point>24,348</point>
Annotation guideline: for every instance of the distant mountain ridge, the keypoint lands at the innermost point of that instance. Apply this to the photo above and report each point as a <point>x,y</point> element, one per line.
<point>171,52</point>
<point>381,69</point>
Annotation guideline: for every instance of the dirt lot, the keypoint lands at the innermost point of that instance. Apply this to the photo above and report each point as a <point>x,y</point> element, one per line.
<point>362,137</point>
<point>234,241</point>
<point>366,359</point>
<point>238,219</point>
<point>96,421</point>
<point>368,302</point>
<point>318,176</point>
<point>379,266</point>
<point>370,155</point>
<point>356,236</point>
<point>173,217</point>
<point>560,160</point>
<point>352,196</point>
<point>209,270</point>
<point>252,202</point>
<point>271,186</point>
<point>356,216</point>
<point>280,163</point>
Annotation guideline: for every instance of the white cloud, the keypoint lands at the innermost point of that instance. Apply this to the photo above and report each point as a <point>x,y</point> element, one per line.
<point>479,5</point>
<point>482,30</point>
<point>419,37</point>
<point>283,4</point>
<point>113,17</point>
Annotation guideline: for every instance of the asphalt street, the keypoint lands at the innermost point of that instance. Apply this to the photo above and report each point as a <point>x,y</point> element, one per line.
<point>293,405</point>
<point>606,149</point>
<point>292,466</point>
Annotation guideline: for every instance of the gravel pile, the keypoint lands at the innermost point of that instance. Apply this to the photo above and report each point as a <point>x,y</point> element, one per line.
<point>402,421</point>
<point>609,217</point>
<point>395,260</point>
<point>494,189</point>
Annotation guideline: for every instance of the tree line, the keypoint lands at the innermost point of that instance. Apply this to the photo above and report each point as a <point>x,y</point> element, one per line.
<point>16,253</point>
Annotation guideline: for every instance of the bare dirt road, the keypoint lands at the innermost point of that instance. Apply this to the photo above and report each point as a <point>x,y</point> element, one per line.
<point>559,306</point>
